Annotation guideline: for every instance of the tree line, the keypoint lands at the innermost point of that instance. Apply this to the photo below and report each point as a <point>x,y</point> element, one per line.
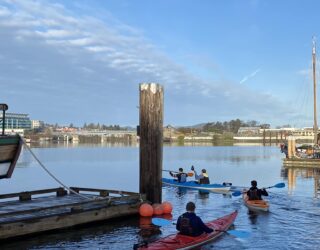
<point>99,126</point>
<point>221,127</point>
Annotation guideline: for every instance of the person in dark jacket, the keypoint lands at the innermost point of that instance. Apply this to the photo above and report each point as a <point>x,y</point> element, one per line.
<point>202,178</point>
<point>181,176</point>
<point>255,193</point>
<point>191,224</point>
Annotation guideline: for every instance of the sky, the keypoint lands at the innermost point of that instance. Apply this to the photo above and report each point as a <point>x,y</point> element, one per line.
<point>82,61</point>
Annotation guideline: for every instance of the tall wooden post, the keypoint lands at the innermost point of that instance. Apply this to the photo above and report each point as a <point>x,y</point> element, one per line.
<point>151,137</point>
<point>315,124</point>
<point>291,147</point>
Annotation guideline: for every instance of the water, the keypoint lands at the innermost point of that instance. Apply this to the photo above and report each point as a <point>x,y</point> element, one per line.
<point>292,222</point>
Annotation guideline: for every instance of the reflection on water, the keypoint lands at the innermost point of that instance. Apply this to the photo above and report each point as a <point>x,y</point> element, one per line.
<point>291,174</point>
<point>294,210</point>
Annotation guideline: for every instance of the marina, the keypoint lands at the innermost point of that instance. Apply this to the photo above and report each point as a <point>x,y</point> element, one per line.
<point>159,125</point>
<point>291,207</point>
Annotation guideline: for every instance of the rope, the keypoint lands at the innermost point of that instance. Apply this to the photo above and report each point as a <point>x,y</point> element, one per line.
<point>55,178</point>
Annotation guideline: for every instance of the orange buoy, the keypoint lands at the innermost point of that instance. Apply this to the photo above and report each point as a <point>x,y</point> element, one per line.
<point>157,209</point>
<point>167,207</point>
<point>146,210</point>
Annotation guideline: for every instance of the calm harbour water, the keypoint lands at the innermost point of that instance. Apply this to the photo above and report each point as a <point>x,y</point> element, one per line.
<point>292,222</point>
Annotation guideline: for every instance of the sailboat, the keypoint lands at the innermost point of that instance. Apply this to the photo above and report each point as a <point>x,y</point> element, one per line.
<point>10,148</point>
<point>312,157</point>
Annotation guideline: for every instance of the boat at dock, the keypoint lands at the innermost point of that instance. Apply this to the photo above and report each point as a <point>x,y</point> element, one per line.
<point>182,242</point>
<point>10,148</point>
<point>217,188</point>
<point>305,155</point>
<point>37,211</point>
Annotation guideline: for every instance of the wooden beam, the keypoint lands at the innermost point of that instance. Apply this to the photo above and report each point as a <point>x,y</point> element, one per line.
<point>64,220</point>
<point>59,191</point>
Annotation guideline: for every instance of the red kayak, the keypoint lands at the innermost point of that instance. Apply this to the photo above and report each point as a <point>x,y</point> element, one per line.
<point>179,241</point>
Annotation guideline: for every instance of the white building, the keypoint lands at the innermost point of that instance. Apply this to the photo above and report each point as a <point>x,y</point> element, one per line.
<point>37,124</point>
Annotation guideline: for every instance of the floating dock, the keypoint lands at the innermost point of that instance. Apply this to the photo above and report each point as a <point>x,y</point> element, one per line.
<point>295,162</point>
<point>37,211</point>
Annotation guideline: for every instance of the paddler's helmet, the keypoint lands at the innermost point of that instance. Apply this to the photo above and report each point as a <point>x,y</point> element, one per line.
<point>180,169</point>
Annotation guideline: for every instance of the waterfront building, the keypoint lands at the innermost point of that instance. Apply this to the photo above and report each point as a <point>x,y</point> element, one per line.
<point>16,121</point>
<point>249,131</point>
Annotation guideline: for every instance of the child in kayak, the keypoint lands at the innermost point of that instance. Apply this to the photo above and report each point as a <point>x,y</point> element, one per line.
<point>202,178</point>
<point>255,193</point>
<point>181,176</point>
<point>191,224</point>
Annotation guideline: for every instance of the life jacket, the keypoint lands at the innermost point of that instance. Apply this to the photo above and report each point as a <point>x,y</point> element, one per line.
<point>185,226</point>
<point>253,194</point>
<point>182,177</point>
<point>205,179</point>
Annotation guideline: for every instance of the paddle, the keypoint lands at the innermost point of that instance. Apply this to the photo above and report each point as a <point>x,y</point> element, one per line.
<point>278,185</point>
<point>163,222</point>
<point>189,174</point>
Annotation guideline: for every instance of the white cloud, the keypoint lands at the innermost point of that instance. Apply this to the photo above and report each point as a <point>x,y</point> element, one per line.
<point>246,78</point>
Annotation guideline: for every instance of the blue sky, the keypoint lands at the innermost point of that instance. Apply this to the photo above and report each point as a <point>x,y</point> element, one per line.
<point>82,61</point>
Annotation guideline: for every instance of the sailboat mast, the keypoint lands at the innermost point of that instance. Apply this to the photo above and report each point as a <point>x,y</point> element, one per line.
<point>315,125</point>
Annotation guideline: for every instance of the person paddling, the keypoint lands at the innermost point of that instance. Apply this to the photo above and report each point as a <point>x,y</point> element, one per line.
<point>203,177</point>
<point>255,193</point>
<point>181,176</point>
<point>191,224</point>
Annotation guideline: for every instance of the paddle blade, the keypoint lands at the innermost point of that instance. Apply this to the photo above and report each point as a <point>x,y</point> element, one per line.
<point>280,185</point>
<point>236,193</point>
<point>239,234</point>
<point>160,222</point>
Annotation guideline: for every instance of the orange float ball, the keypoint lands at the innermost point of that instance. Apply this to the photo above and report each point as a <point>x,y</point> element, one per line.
<point>167,207</point>
<point>157,209</point>
<point>146,210</point>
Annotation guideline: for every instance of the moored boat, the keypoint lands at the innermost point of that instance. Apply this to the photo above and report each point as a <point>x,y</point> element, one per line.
<point>218,188</point>
<point>10,148</point>
<point>256,205</point>
<point>182,242</point>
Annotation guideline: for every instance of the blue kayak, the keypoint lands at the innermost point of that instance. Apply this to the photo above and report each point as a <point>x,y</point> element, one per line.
<point>218,188</point>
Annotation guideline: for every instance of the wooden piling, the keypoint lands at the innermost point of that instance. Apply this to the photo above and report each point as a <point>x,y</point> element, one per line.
<point>270,135</point>
<point>291,147</point>
<point>151,137</point>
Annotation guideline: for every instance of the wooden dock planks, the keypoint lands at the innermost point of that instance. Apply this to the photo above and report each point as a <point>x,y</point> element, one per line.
<point>39,214</point>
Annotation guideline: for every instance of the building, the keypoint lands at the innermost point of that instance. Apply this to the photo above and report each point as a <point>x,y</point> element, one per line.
<point>16,121</point>
<point>37,124</point>
<point>248,131</point>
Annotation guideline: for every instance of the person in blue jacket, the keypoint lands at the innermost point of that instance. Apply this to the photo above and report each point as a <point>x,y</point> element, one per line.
<point>181,176</point>
<point>191,224</point>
